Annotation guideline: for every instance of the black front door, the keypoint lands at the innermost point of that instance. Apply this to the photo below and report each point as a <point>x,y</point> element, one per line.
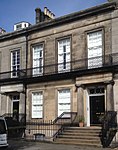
<point>16,106</point>
<point>16,110</point>
<point>97,108</point>
<point>15,99</point>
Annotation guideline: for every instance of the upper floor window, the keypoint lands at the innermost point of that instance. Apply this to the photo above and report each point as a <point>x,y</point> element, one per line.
<point>15,63</point>
<point>95,49</point>
<point>38,59</point>
<point>37,104</point>
<point>64,55</point>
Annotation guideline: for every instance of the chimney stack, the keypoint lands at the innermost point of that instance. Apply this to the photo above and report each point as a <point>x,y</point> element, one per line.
<point>38,15</point>
<point>43,16</point>
<point>48,13</point>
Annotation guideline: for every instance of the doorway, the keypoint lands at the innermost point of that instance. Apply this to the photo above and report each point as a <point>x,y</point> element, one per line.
<point>97,109</point>
<point>15,109</point>
<point>96,105</point>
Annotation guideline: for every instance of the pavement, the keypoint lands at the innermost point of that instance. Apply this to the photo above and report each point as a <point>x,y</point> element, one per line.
<point>17,144</point>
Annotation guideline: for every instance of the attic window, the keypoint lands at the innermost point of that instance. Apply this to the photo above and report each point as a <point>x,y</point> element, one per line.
<point>19,26</point>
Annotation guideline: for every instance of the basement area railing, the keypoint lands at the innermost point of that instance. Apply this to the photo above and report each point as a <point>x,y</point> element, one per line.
<point>48,130</point>
<point>109,128</point>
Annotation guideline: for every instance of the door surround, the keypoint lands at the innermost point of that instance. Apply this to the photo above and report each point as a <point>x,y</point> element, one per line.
<point>15,100</point>
<point>91,91</point>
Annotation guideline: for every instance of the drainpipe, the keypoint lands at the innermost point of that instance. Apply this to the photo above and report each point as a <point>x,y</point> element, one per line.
<point>25,84</point>
<point>26,52</point>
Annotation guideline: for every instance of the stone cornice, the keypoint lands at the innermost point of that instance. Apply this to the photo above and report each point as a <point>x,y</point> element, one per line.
<point>109,82</point>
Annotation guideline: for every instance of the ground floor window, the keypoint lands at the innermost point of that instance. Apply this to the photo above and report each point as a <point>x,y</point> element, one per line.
<point>64,101</point>
<point>37,105</point>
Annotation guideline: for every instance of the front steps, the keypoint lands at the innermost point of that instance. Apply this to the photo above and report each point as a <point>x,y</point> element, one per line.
<point>85,136</point>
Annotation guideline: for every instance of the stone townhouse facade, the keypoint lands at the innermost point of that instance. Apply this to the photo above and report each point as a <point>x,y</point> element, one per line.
<point>67,64</point>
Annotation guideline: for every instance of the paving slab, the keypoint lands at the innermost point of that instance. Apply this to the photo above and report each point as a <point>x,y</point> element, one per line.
<point>29,145</point>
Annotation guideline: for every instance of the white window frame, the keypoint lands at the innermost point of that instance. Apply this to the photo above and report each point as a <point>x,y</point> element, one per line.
<point>37,104</point>
<point>64,101</point>
<point>95,49</point>
<point>15,63</point>
<point>38,59</point>
<point>64,58</point>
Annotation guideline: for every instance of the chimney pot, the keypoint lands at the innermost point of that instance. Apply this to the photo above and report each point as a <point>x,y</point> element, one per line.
<point>53,16</point>
<point>50,14</point>
<point>45,10</point>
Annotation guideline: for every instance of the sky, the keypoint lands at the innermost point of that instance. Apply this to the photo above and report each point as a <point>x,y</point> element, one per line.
<point>14,11</point>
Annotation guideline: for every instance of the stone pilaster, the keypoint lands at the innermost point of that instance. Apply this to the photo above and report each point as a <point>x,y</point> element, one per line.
<point>80,100</point>
<point>22,103</point>
<point>109,96</point>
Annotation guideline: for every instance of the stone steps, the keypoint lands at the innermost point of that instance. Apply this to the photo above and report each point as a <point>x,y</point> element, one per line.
<point>86,136</point>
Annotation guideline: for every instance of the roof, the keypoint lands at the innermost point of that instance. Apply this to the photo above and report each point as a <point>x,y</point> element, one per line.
<point>61,20</point>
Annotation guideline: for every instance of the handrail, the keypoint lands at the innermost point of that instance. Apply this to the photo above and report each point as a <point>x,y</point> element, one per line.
<point>74,65</point>
<point>66,115</point>
<point>61,120</point>
<point>109,128</point>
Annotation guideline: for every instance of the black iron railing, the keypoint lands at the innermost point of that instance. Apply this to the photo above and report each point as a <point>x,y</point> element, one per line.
<point>109,128</point>
<point>76,65</point>
<point>48,130</point>
<point>65,119</point>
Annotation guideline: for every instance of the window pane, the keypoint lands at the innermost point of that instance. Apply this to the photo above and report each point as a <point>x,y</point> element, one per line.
<point>64,55</point>
<point>63,101</point>
<point>15,62</point>
<point>94,49</point>
<point>38,59</point>
<point>37,105</point>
